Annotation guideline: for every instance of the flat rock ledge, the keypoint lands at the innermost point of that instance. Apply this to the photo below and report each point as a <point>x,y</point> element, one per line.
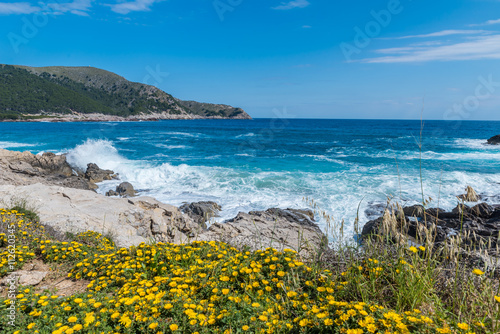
<point>131,221</point>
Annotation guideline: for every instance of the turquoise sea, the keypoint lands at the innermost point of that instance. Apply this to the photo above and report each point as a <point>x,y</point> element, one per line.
<point>249,165</point>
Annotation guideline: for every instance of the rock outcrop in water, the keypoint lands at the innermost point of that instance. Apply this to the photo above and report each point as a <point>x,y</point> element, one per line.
<point>95,175</point>
<point>24,168</point>
<point>495,140</point>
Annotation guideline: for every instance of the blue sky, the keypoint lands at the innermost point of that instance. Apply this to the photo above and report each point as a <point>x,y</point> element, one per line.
<point>300,58</point>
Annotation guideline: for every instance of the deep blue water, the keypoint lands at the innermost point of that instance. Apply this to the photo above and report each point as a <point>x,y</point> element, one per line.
<point>248,165</point>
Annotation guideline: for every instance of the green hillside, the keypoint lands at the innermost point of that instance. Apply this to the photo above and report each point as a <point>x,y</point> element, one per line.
<point>63,90</point>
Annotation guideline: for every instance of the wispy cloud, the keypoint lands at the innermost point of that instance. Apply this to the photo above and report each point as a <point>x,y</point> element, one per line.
<point>8,8</point>
<point>487,23</point>
<point>482,47</point>
<point>78,7</point>
<point>445,33</point>
<point>292,4</point>
<point>133,6</point>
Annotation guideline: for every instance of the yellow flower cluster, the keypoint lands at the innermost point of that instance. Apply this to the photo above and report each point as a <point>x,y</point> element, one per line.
<point>202,287</point>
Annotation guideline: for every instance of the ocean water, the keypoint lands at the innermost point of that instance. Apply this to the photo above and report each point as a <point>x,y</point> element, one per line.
<point>258,164</point>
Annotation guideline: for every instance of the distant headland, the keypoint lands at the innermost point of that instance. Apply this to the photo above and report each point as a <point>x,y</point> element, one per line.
<point>86,94</point>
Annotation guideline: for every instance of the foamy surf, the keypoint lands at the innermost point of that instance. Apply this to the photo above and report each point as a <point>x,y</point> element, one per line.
<point>338,193</point>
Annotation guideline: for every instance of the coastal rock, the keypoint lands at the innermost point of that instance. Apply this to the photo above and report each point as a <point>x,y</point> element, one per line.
<point>201,212</point>
<point>24,168</point>
<point>128,221</point>
<point>479,224</point>
<point>95,174</point>
<point>124,189</point>
<point>495,140</point>
<point>414,211</point>
<point>277,228</point>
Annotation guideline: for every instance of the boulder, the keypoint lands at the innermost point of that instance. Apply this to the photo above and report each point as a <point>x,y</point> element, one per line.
<point>126,189</point>
<point>25,277</point>
<point>128,221</point>
<point>201,212</point>
<point>277,228</point>
<point>95,174</point>
<point>495,140</point>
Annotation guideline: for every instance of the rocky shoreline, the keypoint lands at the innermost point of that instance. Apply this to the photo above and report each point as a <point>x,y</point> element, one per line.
<point>96,117</point>
<point>66,201</point>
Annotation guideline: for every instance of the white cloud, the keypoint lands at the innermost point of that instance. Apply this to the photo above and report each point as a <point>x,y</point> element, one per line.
<point>17,8</point>
<point>133,6</point>
<point>292,4</point>
<point>78,7</point>
<point>446,33</point>
<point>483,47</point>
<point>487,23</point>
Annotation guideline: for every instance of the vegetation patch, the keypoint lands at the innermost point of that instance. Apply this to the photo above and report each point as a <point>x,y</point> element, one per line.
<point>211,287</point>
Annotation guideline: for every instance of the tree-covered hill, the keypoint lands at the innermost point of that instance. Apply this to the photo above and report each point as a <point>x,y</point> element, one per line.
<point>64,90</point>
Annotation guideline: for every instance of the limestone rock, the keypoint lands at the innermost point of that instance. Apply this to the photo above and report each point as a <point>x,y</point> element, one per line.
<point>201,212</point>
<point>277,228</point>
<point>127,221</point>
<point>23,168</point>
<point>25,277</point>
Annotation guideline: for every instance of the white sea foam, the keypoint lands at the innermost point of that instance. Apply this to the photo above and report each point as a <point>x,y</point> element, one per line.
<point>339,193</point>
<point>101,152</point>
<point>9,144</point>
<point>170,147</point>
<point>475,144</point>
<point>251,134</point>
